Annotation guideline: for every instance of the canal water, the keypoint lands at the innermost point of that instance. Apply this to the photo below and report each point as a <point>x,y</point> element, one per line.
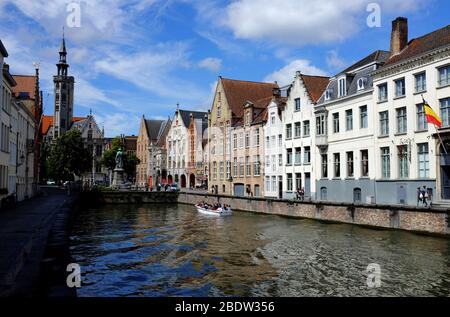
<point>174,251</point>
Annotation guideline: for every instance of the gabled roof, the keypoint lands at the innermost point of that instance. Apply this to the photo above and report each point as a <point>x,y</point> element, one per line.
<point>315,86</point>
<point>238,92</point>
<point>47,122</point>
<point>153,127</point>
<point>374,57</point>
<point>186,116</point>
<point>3,50</point>
<point>25,84</point>
<point>163,131</point>
<point>421,45</point>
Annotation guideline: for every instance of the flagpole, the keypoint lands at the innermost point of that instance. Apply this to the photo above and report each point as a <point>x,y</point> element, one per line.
<point>437,130</point>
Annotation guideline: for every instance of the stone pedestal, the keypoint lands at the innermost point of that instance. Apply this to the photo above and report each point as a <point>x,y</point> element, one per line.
<point>118,178</point>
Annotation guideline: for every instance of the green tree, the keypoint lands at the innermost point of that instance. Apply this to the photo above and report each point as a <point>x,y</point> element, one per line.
<point>68,157</point>
<point>130,161</point>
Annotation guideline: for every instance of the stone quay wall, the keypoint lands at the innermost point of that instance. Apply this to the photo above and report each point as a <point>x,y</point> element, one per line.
<point>129,197</point>
<point>429,221</point>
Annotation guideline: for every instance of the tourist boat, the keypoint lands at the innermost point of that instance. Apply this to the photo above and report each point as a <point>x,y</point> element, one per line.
<point>214,212</point>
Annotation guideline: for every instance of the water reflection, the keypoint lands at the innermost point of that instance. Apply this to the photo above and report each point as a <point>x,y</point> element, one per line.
<point>174,251</point>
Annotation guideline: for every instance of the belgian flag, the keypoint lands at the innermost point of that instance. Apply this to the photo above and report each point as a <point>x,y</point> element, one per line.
<point>431,116</point>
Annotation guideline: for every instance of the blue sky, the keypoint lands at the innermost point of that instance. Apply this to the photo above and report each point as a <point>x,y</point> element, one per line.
<point>135,57</point>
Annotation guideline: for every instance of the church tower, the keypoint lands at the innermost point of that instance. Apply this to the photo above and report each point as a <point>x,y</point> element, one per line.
<point>64,88</point>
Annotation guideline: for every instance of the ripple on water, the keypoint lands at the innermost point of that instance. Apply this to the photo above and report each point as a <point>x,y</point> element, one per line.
<point>173,251</point>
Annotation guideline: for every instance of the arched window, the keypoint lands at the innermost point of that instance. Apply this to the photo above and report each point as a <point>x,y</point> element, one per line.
<point>357,195</point>
<point>323,194</point>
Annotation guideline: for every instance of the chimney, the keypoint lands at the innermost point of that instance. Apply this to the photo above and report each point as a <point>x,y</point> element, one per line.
<point>399,36</point>
<point>277,92</point>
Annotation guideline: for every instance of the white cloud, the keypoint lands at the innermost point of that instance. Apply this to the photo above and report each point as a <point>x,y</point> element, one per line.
<point>285,75</point>
<point>211,63</point>
<point>118,123</point>
<point>334,61</point>
<point>301,22</point>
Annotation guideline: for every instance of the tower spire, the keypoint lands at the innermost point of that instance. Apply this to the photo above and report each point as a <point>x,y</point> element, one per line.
<point>62,64</point>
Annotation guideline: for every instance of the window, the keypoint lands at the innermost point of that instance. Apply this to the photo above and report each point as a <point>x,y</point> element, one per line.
<point>337,165</point>
<point>288,131</point>
<point>403,161</point>
<point>335,122</point>
<point>328,94</point>
<point>297,104</point>
<point>289,182</point>
<point>272,119</point>
<point>350,165</point>
<point>298,181</point>
<point>349,120</point>
<point>267,161</point>
<point>384,123</point>
<point>324,166</point>
<point>445,111</point>
<point>424,160</point>
<point>215,171</point>
<point>219,109</point>
<point>365,163</point>
<point>280,160</point>
<point>298,130</point>
<point>362,82</point>
<point>241,140</point>
<point>444,76</point>
<point>280,141</point>
<point>256,140</point>
<point>385,163</point>
<point>274,163</point>
<point>421,82</point>
<point>247,140</point>
<point>267,183</point>
<point>221,170</point>
<point>422,123</point>
<point>256,165</point>
<point>298,156</point>
<point>289,157</point>
<point>267,142</point>
<point>274,183</point>
<point>228,169</point>
<point>274,141</point>
<point>320,125</point>
<point>307,157</point>
<point>306,129</point>
<point>235,142</point>
<point>364,124</point>
<point>382,92</point>
<point>241,167</point>
<point>248,166</point>
<point>402,124</point>
<point>357,195</point>
<point>342,88</point>
<point>323,194</point>
<point>400,88</point>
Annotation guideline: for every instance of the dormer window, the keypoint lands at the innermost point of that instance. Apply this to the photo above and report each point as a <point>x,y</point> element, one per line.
<point>328,94</point>
<point>342,87</point>
<point>362,83</point>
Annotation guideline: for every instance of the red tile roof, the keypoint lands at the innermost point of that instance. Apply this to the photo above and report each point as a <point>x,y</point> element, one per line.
<point>315,85</point>
<point>47,122</point>
<point>25,84</point>
<point>421,45</point>
<point>238,92</point>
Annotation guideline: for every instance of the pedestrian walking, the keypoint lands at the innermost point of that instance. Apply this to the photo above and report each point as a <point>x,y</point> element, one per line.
<point>425,196</point>
<point>419,196</point>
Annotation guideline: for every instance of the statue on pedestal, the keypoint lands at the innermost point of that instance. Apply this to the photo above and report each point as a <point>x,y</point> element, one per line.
<point>118,171</point>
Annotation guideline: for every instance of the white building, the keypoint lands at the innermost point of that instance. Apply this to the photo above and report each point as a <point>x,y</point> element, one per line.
<point>274,149</point>
<point>178,149</point>
<point>408,152</point>
<point>345,134</point>
<point>299,135</point>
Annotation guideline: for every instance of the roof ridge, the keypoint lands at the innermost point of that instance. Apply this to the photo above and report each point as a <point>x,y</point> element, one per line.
<point>249,81</point>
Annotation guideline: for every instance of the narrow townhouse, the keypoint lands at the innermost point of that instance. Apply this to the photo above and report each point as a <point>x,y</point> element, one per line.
<point>298,141</point>
<point>409,152</point>
<point>178,147</point>
<point>227,113</point>
<point>157,163</point>
<point>274,146</point>
<point>345,134</point>
<point>197,137</point>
